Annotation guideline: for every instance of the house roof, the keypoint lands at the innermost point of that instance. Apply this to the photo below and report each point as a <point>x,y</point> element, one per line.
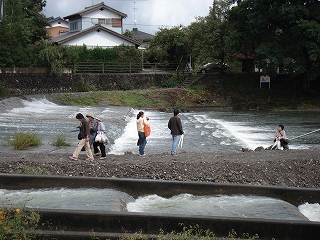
<point>141,35</point>
<point>99,6</point>
<point>52,19</point>
<point>65,37</point>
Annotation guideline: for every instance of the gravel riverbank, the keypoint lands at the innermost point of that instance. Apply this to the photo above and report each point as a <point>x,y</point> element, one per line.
<point>295,168</point>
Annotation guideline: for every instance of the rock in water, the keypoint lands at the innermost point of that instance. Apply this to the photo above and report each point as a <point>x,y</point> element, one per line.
<point>259,149</point>
<point>246,150</point>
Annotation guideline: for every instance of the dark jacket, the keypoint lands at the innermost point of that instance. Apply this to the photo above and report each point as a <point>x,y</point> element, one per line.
<point>175,126</point>
<point>84,129</point>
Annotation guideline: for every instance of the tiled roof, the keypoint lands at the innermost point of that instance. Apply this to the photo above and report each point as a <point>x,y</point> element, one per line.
<point>98,6</point>
<point>52,19</point>
<point>141,35</point>
<point>65,37</point>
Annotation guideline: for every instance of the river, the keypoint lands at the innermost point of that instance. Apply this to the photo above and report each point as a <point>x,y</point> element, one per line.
<point>204,131</point>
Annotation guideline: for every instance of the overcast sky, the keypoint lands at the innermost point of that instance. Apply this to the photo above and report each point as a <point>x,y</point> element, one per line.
<point>150,14</point>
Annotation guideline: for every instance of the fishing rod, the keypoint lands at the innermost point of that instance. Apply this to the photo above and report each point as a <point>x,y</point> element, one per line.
<point>305,134</point>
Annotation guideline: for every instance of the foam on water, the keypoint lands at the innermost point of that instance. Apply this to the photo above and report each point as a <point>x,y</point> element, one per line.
<point>311,211</point>
<point>159,140</point>
<point>221,205</point>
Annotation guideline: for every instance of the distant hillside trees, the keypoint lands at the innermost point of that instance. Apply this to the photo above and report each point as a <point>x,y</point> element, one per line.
<point>274,33</point>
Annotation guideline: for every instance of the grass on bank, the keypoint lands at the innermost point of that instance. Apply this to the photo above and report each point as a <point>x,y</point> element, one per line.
<point>29,170</point>
<point>190,233</point>
<point>60,141</point>
<point>146,98</point>
<point>241,91</point>
<point>24,140</point>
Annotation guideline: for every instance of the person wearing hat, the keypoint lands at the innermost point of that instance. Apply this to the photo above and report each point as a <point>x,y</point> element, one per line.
<point>175,126</point>
<point>92,127</point>
<point>102,145</point>
<point>84,141</point>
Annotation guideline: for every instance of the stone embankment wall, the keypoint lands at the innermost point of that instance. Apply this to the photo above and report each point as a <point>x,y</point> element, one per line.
<point>28,82</point>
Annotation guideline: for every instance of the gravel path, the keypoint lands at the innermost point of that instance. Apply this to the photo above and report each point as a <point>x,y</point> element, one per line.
<point>296,168</point>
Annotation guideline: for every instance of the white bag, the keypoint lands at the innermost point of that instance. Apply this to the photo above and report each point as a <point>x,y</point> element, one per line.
<point>98,137</point>
<point>102,138</point>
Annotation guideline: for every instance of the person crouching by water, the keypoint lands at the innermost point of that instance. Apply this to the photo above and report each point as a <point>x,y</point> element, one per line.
<point>84,142</point>
<point>175,126</point>
<point>281,141</point>
<point>102,145</point>
<point>142,141</point>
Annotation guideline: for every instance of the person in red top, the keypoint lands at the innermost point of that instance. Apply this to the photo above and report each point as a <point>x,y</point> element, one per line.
<point>84,142</point>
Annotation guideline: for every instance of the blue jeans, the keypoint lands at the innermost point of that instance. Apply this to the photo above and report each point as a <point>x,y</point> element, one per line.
<point>175,142</point>
<point>142,142</point>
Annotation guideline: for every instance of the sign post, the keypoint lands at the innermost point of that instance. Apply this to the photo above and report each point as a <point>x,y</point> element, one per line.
<point>264,79</point>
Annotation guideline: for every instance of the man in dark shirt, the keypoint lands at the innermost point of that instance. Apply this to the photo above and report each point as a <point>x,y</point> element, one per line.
<point>84,142</point>
<point>175,126</point>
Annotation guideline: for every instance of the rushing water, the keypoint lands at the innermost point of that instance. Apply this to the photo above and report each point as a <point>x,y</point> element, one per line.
<point>204,131</point>
<point>183,204</point>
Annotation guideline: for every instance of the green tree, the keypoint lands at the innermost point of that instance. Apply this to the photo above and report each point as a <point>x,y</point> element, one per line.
<point>207,36</point>
<point>22,25</point>
<point>168,45</point>
<point>279,32</point>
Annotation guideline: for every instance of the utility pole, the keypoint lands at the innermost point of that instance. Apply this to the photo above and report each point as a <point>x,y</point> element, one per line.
<point>134,15</point>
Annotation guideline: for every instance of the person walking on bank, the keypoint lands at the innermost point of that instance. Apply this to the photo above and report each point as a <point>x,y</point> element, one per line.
<point>142,142</point>
<point>101,144</point>
<point>84,142</point>
<point>175,126</point>
<point>92,127</point>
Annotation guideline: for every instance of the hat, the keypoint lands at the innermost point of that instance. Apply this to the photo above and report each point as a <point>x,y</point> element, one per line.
<point>98,119</point>
<point>90,115</point>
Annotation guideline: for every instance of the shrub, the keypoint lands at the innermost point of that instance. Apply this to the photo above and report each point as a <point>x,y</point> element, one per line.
<point>25,140</point>
<point>60,141</point>
<point>15,223</point>
<point>24,169</point>
<point>84,85</point>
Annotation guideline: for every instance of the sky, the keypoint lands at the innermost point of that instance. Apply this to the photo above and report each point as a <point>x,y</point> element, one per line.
<point>149,14</point>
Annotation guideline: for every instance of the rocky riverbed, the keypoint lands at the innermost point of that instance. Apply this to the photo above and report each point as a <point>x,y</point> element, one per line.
<point>294,168</point>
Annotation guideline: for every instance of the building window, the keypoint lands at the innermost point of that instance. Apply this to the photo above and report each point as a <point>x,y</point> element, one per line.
<point>105,21</point>
<point>73,26</point>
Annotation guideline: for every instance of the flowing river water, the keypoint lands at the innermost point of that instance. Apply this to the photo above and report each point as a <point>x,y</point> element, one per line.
<point>204,131</point>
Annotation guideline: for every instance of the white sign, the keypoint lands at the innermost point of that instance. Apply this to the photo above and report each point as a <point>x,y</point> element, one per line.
<point>264,79</point>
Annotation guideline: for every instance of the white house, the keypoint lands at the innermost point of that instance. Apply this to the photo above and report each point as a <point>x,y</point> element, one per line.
<point>95,26</point>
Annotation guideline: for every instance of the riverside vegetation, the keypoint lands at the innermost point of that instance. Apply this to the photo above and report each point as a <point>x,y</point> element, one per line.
<point>239,91</point>
<point>16,223</point>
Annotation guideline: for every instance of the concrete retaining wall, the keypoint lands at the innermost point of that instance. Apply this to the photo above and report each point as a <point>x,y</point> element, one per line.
<point>41,83</point>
